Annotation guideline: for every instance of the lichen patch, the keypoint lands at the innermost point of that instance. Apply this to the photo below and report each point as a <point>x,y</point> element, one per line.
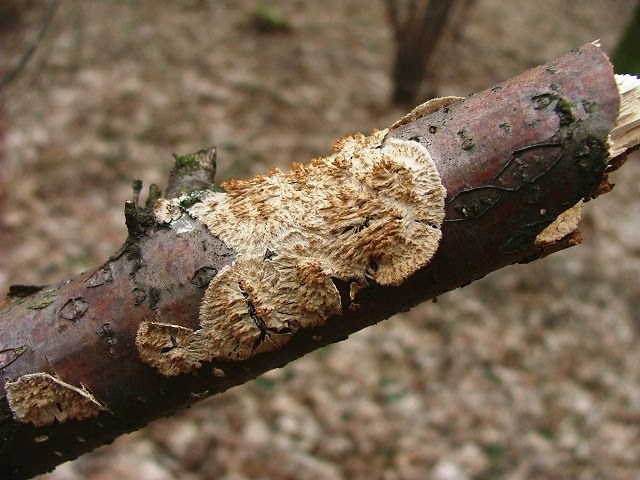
<point>42,399</point>
<point>371,212</point>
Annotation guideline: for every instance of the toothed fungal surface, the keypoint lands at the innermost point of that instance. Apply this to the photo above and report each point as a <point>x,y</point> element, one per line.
<point>371,212</point>
<point>42,399</point>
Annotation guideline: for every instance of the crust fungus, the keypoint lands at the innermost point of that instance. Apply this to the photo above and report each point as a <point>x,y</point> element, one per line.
<point>565,224</point>
<point>167,345</point>
<point>426,108</point>
<point>371,212</point>
<point>167,211</point>
<point>42,399</point>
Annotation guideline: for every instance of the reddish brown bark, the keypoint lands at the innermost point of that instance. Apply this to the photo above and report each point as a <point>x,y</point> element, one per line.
<point>511,158</point>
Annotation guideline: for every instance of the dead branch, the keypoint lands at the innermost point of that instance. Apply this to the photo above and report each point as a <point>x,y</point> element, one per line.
<point>212,289</point>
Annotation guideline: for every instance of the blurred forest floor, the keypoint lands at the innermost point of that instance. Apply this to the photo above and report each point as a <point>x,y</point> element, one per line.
<point>532,372</point>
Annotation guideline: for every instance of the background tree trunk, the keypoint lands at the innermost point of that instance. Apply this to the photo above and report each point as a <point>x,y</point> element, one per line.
<point>418,28</point>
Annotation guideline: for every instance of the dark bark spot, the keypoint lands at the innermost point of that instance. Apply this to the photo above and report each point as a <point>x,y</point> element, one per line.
<point>468,143</point>
<point>108,335</point>
<point>591,157</point>
<point>203,276</point>
<point>139,296</point>
<point>154,298</point>
<point>74,309</point>
<point>107,330</point>
<point>473,203</point>
<point>531,194</point>
<point>525,237</point>
<point>101,276</point>
<point>505,127</point>
<point>542,101</point>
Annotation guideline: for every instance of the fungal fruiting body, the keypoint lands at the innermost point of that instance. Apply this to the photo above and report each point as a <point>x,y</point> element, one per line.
<point>565,224</point>
<point>426,108</point>
<point>43,399</point>
<point>371,212</point>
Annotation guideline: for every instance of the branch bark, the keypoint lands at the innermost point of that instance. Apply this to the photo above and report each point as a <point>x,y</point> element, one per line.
<point>513,159</point>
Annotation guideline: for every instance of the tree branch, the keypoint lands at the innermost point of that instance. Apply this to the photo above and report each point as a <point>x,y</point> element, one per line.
<point>213,289</point>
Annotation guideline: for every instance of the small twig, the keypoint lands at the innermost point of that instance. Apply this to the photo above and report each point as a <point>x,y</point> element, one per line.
<point>192,172</point>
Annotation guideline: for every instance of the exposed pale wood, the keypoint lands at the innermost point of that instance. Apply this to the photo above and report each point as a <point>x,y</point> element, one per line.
<point>626,134</point>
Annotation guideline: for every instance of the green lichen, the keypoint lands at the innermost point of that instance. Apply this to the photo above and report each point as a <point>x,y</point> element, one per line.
<point>185,163</point>
<point>189,200</point>
<point>44,301</point>
<point>154,195</point>
<point>564,111</point>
